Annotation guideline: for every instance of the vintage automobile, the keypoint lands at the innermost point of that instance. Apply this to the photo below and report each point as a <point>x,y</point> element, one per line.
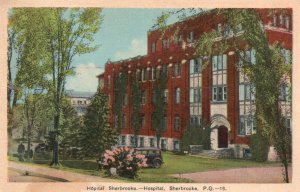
<point>153,155</point>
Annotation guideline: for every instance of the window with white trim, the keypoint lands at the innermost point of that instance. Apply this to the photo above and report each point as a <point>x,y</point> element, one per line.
<point>287,22</point>
<point>287,124</point>
<point>246,92</point>
<point>141,142</point>
<point>132,141</point>
<point>284,92</point>
<point>153,47</point>
<point>165,123</point>
<point>166,96</point>
<point>219,62</point>
<point>195,95</point>
<point>151,141</point>
<point>248,56</point>
<point>190,37</point>
<point>165,43</point>
<point>247,125</point>
<point>274,20</point>
<point>176,123</point>
<point>177,95</point>
<point>176,70</point>
<point>219,93</point>
<point>195,65</point>
<point>143,97</point>
<point>195,121</point>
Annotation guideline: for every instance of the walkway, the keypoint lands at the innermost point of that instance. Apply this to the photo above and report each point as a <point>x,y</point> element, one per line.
<point>239,175</point>
<point>17,171</point>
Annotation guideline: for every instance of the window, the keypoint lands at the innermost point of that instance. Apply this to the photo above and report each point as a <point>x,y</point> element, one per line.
<point>190,37</point>
<point>284,93</point>
<point>125,99</point>
<point>287,22</point>
<point>153,73</point>
<point>219,93</point>
<point>143,97</point>
<point>177,39</point>
<point>286,56</point>
<point>177,95</point>
<point>219,62</point>
<point>195,95</point>
<point>141,141</point>
<point>123,140</point>
<point>165,70</point>
<point>108,81</point>
<point>165,123</point>
<point>151,141</point>
<point>287,124</point>
<point>176,123</point>
<point>163,144</point>
<point>123,121</point>
<point>195,121</point>
<point>143,122</point>
<point>165,96</point>
<point>165,44</point>
<point>248,56</point>
<point>176,145</point>
<point>138,75</point>
<point>219,27</point>
<point>281,20</point>
<point>246,92</point>
<point>153,47</point>
<point>195,65</point>
<point>79,102</point>
<point>132,141</point>
<point>176,70</point>
<point>274,20</point>
<point>143,74</point>
<point>247,125</point>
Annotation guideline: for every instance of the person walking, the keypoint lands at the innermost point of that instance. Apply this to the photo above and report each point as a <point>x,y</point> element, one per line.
<point>21,151</point>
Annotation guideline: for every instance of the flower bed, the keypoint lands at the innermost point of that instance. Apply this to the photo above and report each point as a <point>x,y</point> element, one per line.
<point>123,161</point>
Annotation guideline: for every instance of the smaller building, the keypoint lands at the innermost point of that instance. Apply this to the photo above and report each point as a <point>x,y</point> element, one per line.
<point>80,100</point>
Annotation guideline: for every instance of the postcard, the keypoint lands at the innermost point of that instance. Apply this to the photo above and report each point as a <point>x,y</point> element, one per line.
<point>149,96</point>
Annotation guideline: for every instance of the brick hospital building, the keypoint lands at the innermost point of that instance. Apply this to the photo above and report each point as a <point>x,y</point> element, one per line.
<point>219,93</point>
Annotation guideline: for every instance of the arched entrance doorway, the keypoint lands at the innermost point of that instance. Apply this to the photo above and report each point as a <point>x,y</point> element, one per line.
<point>222,137</point>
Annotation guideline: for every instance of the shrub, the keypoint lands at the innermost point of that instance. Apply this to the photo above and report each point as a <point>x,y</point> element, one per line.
<point>124,161</point>
<point>259,147</point>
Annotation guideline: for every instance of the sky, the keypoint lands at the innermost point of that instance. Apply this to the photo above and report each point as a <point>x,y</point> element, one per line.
<point>123,34</point>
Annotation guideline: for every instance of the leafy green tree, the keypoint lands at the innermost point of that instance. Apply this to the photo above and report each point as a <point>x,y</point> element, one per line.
<point>120,91</point>
<point>58,35</point>
<point>97,134</point>
<point>136,109</point>
<point>159,107</point>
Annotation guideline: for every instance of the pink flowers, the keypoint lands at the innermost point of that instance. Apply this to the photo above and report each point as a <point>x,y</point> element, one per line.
<point>126,163</point>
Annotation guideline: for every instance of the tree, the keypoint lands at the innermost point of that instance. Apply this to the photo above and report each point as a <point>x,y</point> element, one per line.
<point>60,34</point>
<point>136,109</point>
<point>266,75</point>
<point>97,134</point>
<point>120,91</point>
<point>158,115</point>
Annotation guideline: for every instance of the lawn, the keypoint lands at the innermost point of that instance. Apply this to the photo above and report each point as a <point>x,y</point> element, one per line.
<point>173,164</point>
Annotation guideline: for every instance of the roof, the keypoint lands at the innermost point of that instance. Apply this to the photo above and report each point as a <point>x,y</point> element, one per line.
<point>80,94</point>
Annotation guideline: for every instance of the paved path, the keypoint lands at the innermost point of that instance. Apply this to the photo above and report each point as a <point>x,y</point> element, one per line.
<point>239,175</point>
<point>16,172</point>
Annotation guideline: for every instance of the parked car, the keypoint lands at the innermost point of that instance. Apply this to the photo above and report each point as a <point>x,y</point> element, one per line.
<point>153,155</point>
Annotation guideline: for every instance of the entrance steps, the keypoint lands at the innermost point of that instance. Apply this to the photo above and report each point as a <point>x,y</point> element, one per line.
<point>215,154</point>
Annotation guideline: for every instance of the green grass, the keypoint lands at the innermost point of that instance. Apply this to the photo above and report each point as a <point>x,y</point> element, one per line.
<point>173,164</point>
